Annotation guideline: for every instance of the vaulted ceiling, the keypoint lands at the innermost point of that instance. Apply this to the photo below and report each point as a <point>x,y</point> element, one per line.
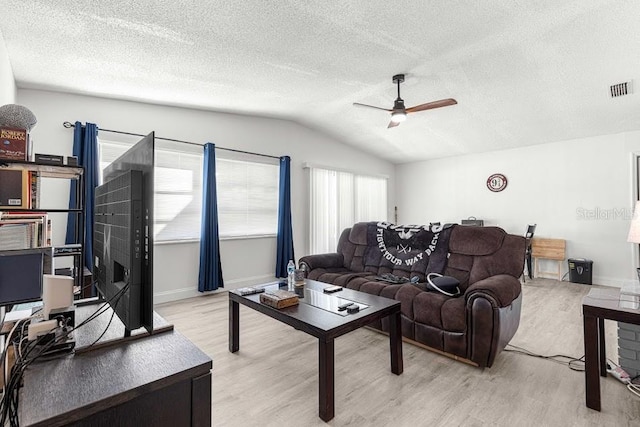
<point>523,72</point>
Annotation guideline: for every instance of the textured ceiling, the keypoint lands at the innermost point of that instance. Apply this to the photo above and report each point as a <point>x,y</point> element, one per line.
<point>523,72</point>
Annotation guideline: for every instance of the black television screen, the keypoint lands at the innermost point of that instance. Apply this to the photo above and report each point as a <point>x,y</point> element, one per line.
<point>21,276</point>
<point>123,235</point>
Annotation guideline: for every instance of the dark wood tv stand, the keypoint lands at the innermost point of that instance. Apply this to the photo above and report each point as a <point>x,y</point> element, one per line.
<point>158,380</point>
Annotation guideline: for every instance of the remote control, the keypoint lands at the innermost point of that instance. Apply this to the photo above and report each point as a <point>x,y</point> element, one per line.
<point>353,309</point>
<point>332,289</point>
<point>250,291</point>
<point>343,307</point>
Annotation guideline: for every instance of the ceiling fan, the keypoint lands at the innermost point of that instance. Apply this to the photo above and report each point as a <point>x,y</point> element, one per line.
<point>399,112</point>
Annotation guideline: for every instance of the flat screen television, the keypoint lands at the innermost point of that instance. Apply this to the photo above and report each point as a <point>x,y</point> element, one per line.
<point>123,235</point>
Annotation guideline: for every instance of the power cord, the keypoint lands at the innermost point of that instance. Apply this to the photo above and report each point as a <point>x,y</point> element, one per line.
<point>622,376</point>
<point>113,312</point>
<point>573,363</point>
<point>577,364</point>
<point>27,352</point>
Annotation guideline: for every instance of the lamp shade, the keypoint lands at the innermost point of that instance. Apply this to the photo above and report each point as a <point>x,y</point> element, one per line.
<point>634,229</point>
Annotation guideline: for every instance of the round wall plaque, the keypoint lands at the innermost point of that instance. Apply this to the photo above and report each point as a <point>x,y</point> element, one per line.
<point>497,182</point>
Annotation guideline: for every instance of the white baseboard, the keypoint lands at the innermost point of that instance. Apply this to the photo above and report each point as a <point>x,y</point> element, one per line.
<point>192,291</point>
<point>615,282</point>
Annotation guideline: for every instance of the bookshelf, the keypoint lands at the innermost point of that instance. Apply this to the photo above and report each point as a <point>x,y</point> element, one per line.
<point>25,224</point>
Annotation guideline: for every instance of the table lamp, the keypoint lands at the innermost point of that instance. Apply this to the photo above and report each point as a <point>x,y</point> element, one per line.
<point>634,229</point>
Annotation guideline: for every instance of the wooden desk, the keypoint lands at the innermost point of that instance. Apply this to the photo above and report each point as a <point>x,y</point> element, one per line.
<point>158,380</point>
<point>599,305</point>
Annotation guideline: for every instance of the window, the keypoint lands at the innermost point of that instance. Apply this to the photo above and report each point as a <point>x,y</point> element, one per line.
<point>178,187</point>
<point>340,199</point>
<point>247,197</point>
<point>247,191</point>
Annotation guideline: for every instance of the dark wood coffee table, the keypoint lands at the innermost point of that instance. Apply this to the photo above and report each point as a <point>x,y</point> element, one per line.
<point>598,305</point>
<point>326,326</point>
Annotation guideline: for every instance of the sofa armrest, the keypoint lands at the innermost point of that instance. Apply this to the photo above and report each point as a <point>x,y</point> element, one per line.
<point>503,289</point>
<point>332,260</point>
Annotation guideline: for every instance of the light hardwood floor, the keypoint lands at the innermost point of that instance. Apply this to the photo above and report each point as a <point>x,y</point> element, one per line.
<point>272,380</point>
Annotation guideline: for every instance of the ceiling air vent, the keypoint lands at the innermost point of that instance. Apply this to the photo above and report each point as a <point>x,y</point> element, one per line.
<point>620,89</point>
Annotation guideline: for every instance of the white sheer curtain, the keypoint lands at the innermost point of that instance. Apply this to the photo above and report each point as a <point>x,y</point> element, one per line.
<point>340,199</point>
<point>370,198</point>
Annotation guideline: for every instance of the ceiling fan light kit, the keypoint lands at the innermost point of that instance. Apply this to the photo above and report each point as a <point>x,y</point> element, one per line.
<point>399,112</point>
<point>398,116</point>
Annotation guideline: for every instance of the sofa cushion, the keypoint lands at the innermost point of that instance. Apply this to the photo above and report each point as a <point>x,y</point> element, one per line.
<point>476,241</point>
<point>440,311</point>
<point>452,313</point>
<point>480,252</point>
<point>500,262</point>
<point>358,233</point>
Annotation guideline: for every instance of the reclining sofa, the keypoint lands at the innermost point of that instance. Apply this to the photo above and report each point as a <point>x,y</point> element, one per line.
<point>474,326</point>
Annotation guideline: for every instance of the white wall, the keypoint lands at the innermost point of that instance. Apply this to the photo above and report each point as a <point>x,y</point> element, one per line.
<point>7,82</point>
<point>176,265</point>
<point>579,190</point>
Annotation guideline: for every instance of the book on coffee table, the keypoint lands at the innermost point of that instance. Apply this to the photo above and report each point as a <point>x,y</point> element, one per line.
<point>279,298</point>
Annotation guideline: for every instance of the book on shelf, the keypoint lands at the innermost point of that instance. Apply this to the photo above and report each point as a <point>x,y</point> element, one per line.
<point>69,249</point>
<point>279,298</point>
<point>34,190</point>
<point>14,190</point>
<point>36,224</point>
<point>13,144</point>
<point>15,236</point>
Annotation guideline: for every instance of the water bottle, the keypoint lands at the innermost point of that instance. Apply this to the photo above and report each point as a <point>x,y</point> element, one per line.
<point>291,267</point>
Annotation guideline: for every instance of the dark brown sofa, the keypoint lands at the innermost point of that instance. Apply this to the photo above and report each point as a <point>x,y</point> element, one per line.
<point>487,261</point>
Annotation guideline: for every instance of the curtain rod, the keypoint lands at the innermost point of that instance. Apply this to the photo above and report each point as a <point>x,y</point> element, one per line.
<point>71,125</point>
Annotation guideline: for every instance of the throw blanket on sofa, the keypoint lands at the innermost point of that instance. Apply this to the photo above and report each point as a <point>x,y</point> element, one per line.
<point>411,248</point>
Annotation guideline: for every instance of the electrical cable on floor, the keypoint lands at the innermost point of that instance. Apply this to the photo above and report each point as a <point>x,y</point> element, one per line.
<point>573,363</point>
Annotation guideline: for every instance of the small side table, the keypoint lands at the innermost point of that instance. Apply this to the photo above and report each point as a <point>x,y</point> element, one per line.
<point>548,249</point>
<point>598,305</point>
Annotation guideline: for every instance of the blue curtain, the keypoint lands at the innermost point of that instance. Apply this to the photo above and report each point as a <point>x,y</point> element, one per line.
<point>285,231</point>
<point>210,276</point>
<point>85,147</point>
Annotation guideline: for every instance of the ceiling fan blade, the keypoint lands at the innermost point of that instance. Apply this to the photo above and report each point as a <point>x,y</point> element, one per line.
<point>393,124</point>
<point>432,105</point>
<point>357,104</point>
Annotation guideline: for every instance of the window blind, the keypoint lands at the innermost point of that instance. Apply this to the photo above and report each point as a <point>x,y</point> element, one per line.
<point>247,191</point>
